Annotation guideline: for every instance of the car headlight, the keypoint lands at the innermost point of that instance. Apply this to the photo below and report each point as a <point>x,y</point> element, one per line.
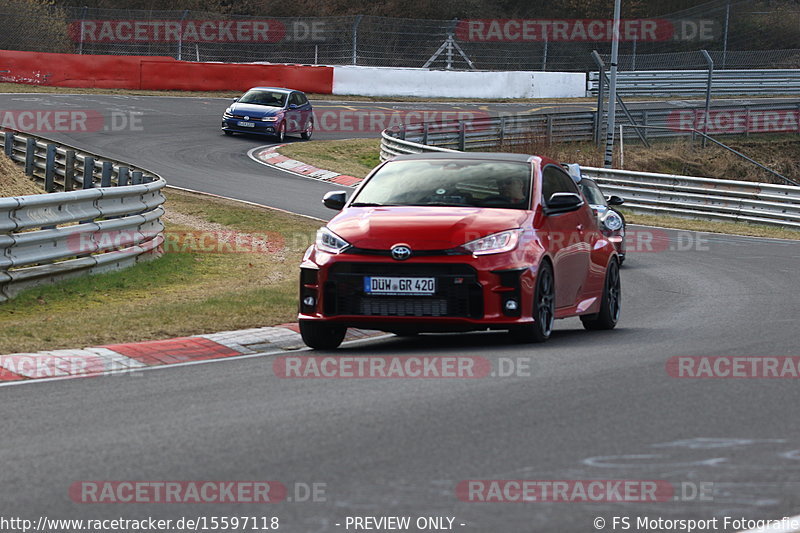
<point>328,241</point>
<point>269,119</point>
<point>228,113</point>
<point>505,241</point>
<point>612,221</point>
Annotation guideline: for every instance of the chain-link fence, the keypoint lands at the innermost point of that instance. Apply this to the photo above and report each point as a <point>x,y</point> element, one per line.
<point>739,34</point>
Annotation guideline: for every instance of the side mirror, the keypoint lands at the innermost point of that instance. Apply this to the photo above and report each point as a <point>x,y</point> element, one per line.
<point>563,202</point>
<point>615,200</point>
<point>292,106</point>
<point>236,99</point>
<point>334,200</point>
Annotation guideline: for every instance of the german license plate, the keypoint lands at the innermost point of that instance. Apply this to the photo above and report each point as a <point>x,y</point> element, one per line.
<point>246,124</point>
<point>391,286</point>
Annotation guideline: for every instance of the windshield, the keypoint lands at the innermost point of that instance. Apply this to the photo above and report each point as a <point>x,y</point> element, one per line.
<point>270,98</point>
<point>447,182</point>
<point>592,192</point>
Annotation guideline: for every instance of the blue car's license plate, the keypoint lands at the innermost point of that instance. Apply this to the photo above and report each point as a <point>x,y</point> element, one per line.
<point>246,124</point>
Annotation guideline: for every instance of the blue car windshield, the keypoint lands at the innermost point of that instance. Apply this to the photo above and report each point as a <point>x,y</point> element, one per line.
<point>443,182</point>
<point>269,98</point>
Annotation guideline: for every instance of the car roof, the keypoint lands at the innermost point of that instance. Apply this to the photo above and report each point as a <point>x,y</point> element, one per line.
<point>485,156</point>
<point>279,89</point>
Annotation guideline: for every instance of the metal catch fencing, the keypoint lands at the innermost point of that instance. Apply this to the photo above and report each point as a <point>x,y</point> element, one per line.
<point>106,217</point>
<point>682,196</point>
<point>560,38</point>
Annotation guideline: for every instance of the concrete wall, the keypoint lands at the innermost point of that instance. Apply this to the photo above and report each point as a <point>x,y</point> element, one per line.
<point>378,81</point>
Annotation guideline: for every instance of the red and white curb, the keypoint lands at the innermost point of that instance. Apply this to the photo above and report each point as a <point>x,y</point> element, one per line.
<point>118,359</point>
<point>268,155</point>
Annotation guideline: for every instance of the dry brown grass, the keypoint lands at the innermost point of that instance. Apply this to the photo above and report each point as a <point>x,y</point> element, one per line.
<point>13,181</point>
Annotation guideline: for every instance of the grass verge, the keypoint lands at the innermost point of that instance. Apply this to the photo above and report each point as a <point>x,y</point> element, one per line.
<point>354,157</point>
<point>13,181</point>
<point>187,291</point>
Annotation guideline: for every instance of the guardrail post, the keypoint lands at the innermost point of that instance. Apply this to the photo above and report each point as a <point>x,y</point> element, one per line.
<point>69,170</point>
<point>644,123</point>
<point>424,133</point>
<point>549,133</point>
<point>30,155</point>
<point>747,121</point>
<point>9,143</point>
<point>122,176</point>
<point>138,177</point>
<point>105,177</point>
<point>462,135</point>
<point>502,137</point>
<point>50,168</point>
<point>88,172</point>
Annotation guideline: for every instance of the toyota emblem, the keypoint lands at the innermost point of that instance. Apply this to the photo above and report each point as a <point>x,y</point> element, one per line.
<point>401,252</point>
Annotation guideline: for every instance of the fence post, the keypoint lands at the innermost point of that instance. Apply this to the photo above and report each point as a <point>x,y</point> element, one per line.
<point>8,143</point>
<point>69,170</point>
<point>30,155</point>
<point>601,78</point>
<point>644,122</point>
<point>355,38</point>
<point>50,168</point>
<point>462,136</point>
<point>549,133</point>
<point>710,63</point>
<point>123,176</point>
<point>88,172</point>
<point>138,177</point>
<point>105,177</point>
<point>747,121</point>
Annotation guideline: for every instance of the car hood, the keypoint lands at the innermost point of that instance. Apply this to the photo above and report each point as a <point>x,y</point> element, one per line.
<point>422,228</point>
<point>255,110</point>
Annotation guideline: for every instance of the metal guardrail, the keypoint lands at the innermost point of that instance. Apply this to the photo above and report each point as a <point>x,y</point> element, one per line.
<point>682,196</point>
<point>694,82</point>
<point>711,199</point>
<point>113,222</point>
<point>495,133</point>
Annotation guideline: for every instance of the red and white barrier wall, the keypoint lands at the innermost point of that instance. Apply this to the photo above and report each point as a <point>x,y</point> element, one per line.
<point>166,73</point>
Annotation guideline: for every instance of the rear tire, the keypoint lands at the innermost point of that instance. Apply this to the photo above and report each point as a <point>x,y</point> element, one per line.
<point>544,311</point>
<point>306,135</point>
<point>610,304</point>
<point>321,335</point>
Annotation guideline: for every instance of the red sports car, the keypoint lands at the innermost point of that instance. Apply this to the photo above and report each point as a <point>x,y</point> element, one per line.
<point>459,242</point>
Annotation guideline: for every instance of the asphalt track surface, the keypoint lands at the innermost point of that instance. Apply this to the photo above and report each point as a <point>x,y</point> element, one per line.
<point>593,405</point>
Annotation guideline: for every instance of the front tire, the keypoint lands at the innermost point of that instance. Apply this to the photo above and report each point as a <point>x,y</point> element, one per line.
<point>281,135</point>
<point>610,304</point>
<point>544,310</point>
<point>321,335</point>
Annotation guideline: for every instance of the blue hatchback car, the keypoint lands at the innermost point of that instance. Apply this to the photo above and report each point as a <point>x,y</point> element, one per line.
<point>270,111</point>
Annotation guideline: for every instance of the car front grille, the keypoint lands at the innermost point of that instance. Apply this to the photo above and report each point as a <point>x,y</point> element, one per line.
<point>458,293</point>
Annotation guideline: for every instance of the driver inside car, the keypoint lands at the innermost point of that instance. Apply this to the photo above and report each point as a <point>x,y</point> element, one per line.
<point>513,189</point>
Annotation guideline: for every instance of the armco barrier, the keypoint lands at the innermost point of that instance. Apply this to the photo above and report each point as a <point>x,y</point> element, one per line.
<point>156,73</point>
<point>644,192</point>
<point>694,82</point>
<point>108,224</point>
